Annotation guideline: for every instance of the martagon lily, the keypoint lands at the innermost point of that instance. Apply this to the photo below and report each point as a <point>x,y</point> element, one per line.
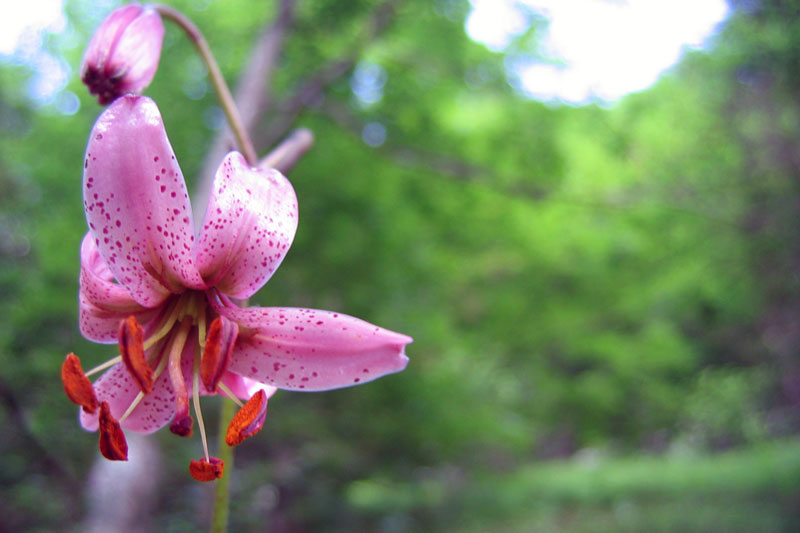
<point>169,298</point>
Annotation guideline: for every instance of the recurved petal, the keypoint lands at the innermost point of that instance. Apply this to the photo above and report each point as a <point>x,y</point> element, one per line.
<point>101,325</point>
<point>136,202</point>
<point>249,225</point>
<point>102,302</point>
<point>311,350</point>
<point>97,281</point>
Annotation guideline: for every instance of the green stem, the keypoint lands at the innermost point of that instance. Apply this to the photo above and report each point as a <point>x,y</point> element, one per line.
<point>219,522</point>
<point>217,80</point>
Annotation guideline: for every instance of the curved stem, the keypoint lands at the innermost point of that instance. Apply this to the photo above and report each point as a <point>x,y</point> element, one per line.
<point>217,80</point>
<point>219,524</point>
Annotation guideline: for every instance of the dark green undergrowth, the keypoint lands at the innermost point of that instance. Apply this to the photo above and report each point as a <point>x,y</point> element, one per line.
<point>752,489</point>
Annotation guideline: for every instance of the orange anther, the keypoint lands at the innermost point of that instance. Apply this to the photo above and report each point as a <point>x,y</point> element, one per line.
<point>113,445</point>
<point>77,386</point>
<point>216,354</point>
<point>248,420</point>
<point>131,348</point>
<point>206,469</point>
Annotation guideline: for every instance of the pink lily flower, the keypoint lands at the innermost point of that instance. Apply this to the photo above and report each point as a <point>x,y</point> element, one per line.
<point>123,55</point>
<point>169,298</point>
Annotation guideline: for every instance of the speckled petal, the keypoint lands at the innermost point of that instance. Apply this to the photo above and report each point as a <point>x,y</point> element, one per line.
<point>249,225</point>
<point>118,388</point>
<point>244,387</point>
<point>101,325</point>
<point>136,202</point>
<point>102,302</point>
<point>254,386</point>
<point>157,408</point>
<point>311,350</point>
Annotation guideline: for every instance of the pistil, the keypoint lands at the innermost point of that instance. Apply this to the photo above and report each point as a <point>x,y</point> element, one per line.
<point>182,423</point>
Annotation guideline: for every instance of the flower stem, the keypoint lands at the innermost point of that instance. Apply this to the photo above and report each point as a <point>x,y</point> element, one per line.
<point>219,522</point>
<point>217,80</point>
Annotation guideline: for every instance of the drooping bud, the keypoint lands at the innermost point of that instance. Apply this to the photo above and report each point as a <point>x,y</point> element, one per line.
<point>206,469</point>
<point>113,445</point>
<point>123,55</point>
<point>248,420</point>
<point>131,348</point>
<point>217,352</point>
<point>77,386</point>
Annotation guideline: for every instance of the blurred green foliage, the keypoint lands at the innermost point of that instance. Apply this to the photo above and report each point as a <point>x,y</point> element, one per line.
<point>600,282</point>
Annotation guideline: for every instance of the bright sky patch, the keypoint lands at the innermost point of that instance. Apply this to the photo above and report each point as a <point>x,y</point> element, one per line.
<point>595,49</point>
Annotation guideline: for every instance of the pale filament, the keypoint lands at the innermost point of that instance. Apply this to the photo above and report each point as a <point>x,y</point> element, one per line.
<point>111,362</point>
<point>196,399</point>
<point>229,393</point>
<point>159,370</point>
<point>166,326</point>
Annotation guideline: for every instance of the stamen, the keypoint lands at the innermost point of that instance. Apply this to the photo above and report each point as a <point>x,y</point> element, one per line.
<point>134,404</point>
<point>159,369</point>
<point>248,420</point>
<point>182,423</point>
<point>131,348</point>
<point>206,469</point>
<point>111,362</point>
<point>196,398</point>
<point>113,445</point>
<point>217,353</point>
<point>77,386</point>
<point>166,327</point>
<point>229,393</point>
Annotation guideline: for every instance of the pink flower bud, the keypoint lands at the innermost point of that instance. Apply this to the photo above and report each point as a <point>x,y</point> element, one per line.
<point>123,55</point>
